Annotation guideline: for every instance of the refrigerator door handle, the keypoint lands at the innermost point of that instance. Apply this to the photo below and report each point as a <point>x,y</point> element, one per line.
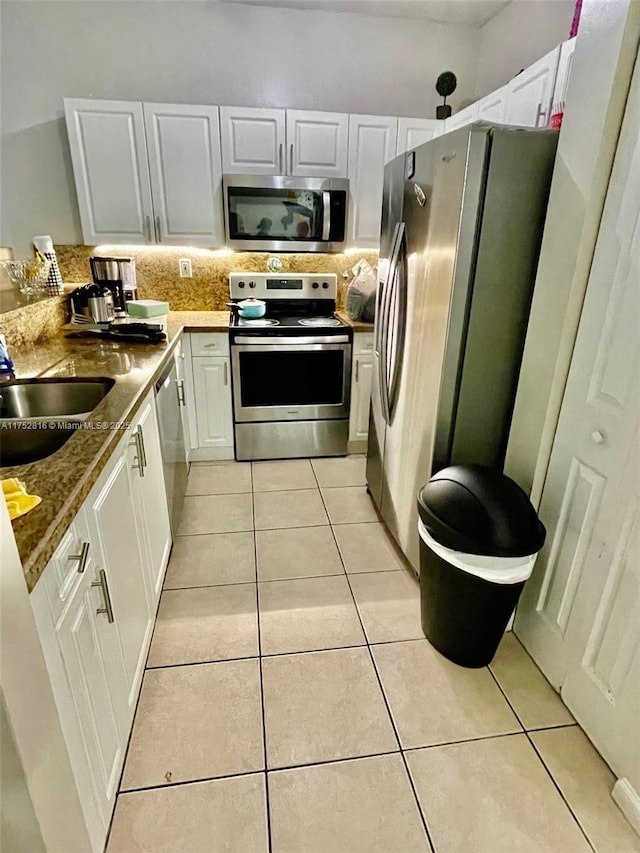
<point>384,331</point>
<point>398,326</point>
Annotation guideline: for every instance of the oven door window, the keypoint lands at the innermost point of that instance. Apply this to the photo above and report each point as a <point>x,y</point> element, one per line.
<point>295,378</point>
<point>299,215</point>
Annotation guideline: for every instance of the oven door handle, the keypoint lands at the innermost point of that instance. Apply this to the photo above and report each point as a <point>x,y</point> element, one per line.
<point>278,342</point>
<point>326,215</point>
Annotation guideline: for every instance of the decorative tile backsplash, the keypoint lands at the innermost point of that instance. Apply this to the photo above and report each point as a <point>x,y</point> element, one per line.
<point>158,277</point>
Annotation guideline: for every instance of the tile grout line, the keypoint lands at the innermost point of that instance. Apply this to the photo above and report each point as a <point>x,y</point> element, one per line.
<point>384,696</point>
<point>261,675</point>
<point>540,759</point>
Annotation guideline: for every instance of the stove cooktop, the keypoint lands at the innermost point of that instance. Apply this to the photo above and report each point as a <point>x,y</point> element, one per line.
<point>288,322</point>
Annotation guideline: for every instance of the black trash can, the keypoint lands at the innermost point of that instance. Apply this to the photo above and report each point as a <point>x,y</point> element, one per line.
<point>479,537</point>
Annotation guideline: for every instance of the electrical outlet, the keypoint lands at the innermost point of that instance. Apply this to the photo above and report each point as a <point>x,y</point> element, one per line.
<point>184,265</point>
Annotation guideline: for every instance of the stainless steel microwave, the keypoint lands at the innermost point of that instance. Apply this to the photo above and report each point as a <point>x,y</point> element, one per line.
<point>285,214</point>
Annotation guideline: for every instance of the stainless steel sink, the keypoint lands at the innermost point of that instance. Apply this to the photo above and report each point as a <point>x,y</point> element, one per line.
<point>37,416</point>
<point>47,398</point>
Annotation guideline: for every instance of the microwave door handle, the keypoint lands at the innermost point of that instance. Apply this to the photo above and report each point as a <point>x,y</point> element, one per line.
<point>326,216</point>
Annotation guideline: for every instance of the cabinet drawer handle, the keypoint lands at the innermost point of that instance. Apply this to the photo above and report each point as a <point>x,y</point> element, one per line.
<point>82,557</point>
<point>226,376</point>
<point>357,370</point>
<point>102,583</point>
<point>158,230</point>
<point>210,346</point>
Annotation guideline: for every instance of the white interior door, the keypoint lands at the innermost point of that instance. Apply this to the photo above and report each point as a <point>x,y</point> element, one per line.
<point>580,613</point>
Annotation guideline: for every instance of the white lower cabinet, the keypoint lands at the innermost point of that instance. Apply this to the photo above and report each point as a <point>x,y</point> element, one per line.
<point>95,606</point>
<point>208,396</point>
<point>361,381</point>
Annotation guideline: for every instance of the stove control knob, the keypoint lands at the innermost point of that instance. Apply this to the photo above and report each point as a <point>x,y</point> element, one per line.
<point>241,284</point>
<point>252,284</point>
<point>325,285</point>
<point>315,285</point>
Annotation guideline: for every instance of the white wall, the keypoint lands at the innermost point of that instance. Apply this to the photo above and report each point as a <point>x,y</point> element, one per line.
<point>195,52</point>
<point>522,32</point>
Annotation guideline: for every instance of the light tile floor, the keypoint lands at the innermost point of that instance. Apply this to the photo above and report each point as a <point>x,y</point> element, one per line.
<point>292,705</point>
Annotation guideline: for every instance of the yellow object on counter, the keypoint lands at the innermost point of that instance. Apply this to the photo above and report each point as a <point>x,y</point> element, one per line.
<point>16,497</point>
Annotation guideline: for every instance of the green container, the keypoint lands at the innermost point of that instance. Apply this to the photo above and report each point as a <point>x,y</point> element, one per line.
<point>147,308</point>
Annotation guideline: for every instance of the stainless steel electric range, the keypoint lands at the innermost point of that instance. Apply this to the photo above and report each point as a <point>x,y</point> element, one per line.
<point>291,370</point>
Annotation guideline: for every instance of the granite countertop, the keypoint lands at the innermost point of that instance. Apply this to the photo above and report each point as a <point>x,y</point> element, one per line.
<point>64,479</point>
<point>356,325</point>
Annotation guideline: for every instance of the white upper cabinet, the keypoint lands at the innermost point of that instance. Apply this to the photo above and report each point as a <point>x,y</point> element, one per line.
<point>253,141</point>
<point>109,157</point>
<point>284,142</point>
<point>414,131</point>
<point>183,144</point>
<point>529,94</point>
<point>372,143</point>
<point>492,107</point>
<point>462,118</point>
<point>565,63</point>
<point>317,144</point>
<point>146,173</point>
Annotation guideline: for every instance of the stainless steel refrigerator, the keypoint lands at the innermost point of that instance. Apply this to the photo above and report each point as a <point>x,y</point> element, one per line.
<point>462,222</point>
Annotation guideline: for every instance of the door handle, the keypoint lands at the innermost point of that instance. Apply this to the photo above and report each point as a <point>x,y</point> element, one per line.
<point>326,215</point>
<point>357,369</point>
<point>291,159</point>
<point>104,586</point>
<point>280,159</point>
<point>158,230</point>
<point>82,557</point>
<point>180,387</point>
<point>226,374</point>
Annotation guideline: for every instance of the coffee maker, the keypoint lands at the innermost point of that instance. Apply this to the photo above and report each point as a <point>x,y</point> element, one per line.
<point>119,275</point>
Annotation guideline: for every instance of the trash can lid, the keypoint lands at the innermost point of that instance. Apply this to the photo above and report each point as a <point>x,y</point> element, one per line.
<point>478,510</point>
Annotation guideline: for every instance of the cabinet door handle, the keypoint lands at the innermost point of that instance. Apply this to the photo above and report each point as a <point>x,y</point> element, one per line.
<point>102,583</point>
<point>357,370</point>
<point>181,397</point>
<point>148,224</point>
<point>143,450</point>
<point>158,230</point>
<point>540,115</point>
<point>291,159</point>
<point>226,374</point>
<point>141,459</point>
<point>280,159</point>
<point>82,557</point>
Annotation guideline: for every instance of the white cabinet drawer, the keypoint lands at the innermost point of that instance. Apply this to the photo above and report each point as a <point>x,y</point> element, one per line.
<point>363,343</point>
<point>71,560</point>
<point>209,343</point>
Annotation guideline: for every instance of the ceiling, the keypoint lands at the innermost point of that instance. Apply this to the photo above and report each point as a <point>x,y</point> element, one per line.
<point>473,13</point>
